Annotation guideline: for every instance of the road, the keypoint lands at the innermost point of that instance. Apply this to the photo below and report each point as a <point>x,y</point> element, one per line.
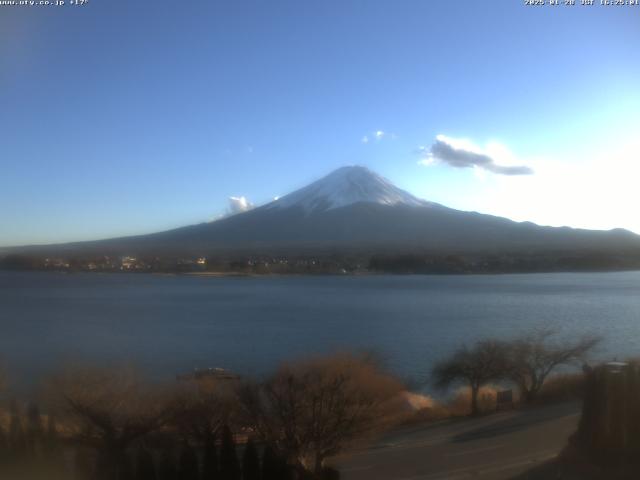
<point>493,447</point>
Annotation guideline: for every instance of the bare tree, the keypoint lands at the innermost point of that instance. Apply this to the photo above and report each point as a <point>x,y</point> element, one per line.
<point>534,356</point>
<point>108,410</point>
<point>314,409</point>
<point>201,408</point>
<point>475,367</point>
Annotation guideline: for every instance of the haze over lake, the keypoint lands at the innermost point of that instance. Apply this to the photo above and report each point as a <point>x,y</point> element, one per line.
<point>171,324</point>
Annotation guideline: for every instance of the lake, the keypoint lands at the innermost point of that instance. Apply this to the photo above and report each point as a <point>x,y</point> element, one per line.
<point>170,324</point>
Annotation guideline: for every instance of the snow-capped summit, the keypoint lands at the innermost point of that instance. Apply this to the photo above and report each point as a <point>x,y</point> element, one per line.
<point>356,211</point>
<point>346,186</point>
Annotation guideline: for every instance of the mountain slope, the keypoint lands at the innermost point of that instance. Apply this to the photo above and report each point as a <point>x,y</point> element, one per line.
<point>355,209</point>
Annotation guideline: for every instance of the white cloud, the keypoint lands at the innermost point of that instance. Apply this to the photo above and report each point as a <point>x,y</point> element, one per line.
<point>462,153</point>
<point>236,205</point>
<point>239,205</point>
<point>378,135</point>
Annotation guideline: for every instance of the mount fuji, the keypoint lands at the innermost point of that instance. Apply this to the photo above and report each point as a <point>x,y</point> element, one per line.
<point>347,186</point>
<point>355,210</point>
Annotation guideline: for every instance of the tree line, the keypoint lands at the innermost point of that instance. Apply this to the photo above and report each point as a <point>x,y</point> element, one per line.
<point>526,362</point>
<point>110,424</point>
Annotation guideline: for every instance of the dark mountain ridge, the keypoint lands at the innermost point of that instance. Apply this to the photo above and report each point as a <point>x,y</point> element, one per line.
<point>350,210</point>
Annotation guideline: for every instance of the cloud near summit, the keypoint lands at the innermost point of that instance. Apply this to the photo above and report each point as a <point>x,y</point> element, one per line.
<point>239,205</point>
<point>459,153</point>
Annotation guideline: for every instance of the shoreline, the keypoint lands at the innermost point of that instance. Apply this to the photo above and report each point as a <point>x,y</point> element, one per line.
<point>221,274</point>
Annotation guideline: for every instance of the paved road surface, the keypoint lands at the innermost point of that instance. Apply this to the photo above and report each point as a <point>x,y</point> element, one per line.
<point>494,447</point>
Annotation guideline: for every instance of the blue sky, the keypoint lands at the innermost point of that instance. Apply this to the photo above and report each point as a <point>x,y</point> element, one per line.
<point>123,117</point>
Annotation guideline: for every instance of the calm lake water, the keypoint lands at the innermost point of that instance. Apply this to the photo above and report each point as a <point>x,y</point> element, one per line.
<point>171,324</point>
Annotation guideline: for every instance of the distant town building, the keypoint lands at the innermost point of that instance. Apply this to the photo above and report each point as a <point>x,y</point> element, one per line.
<point>127,263</point>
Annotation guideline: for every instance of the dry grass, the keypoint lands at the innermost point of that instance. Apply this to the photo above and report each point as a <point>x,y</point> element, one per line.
<point>561,388</point>
<point>557,389</point>
<point>567,386</point>
<point>459,405</point>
